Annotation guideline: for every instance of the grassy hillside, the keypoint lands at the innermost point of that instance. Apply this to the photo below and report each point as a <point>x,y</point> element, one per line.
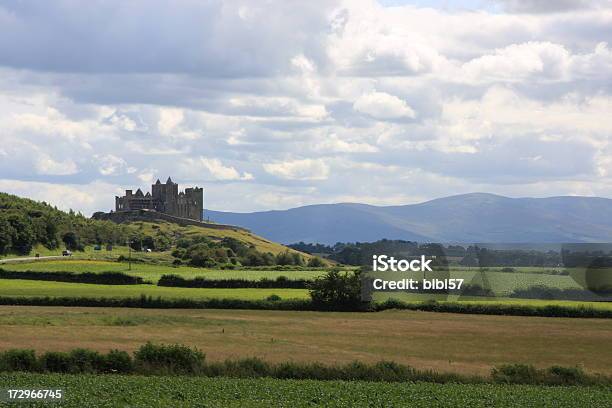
<point>261,244</point>
<point>28,227</point>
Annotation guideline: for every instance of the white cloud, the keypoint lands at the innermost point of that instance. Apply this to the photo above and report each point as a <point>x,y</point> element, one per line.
<point>111,165</point>
<point>304,169</point>
<point>381,105</point>
<point>169,120</point>
<point>544,6</point>
<point>335,144</point>
<point>46,165</point>
<point>87,198</point>
<point>519,61</point>
<point>219,171</point>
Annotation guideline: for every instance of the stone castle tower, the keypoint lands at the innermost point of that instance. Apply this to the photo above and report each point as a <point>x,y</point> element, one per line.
<point>166,199</point>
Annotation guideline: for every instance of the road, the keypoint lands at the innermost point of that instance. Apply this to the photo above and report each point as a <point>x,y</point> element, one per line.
<point>30,258</point>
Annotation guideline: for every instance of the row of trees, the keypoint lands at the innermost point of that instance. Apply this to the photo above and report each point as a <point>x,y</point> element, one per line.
<point>25,223</point>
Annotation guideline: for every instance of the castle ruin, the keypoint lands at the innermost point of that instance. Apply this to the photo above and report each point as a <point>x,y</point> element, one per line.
<point>165,198</point>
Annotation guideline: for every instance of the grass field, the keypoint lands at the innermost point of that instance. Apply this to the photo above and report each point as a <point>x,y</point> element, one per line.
<point>440,341</point>
<point>502,283</point>
<point>33,288</point>
<point>154,272</point>
<point>137,391</point>
<point>19,287</point>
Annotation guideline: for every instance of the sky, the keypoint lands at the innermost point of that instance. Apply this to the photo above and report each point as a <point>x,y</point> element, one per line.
<point>277,104</point>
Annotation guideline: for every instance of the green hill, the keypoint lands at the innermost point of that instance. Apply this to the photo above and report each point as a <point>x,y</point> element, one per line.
<point>28,226</point>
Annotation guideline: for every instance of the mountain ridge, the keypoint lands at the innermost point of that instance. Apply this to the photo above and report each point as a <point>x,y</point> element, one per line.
<point>471,217</point>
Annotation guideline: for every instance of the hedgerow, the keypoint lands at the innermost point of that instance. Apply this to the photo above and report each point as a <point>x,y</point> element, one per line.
<point>282,282</point>
<point>102,278</point>
<point>162,359</point>
<point>303,304</point>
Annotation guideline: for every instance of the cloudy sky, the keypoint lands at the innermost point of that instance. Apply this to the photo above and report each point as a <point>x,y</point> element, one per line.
<point>275,104</point>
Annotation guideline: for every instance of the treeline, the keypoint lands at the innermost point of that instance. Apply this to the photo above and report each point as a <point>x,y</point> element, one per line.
<point>230,253</point>
<point>161,359</point>
<point>25,223</point>
<point>101,278</point>
<point>485,257</point>
<point>548,293</point>
<point>360,253</point>
<point>589,259</point>
<point>282,282</point>
<point>274,303</point>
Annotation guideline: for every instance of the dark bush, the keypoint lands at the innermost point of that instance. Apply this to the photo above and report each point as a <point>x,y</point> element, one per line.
<point>201,282</point>
<point>273,298</point>
<point>555,375</point>
<point>162,358</point>
<point>558,375</point>
<point>551,293</point>
<point>18,360</point>
<point>86,361</point>
<point>516,374</point>
<point>55,362</point>
<point>102,278</point>
<point>316,262</point>
<point>117,361</point>
<point>244,368</point>
<point>338,291</point>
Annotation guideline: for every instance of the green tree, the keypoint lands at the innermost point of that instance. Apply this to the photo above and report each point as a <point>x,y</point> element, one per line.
<point>23,237</point>
<point>71,240</point>
<point>337,290</point>
<point>6,235</point>
<point>315,262</point>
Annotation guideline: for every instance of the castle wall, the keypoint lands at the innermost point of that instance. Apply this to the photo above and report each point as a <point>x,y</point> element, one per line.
<point>148,215</point>
<point>166,199</point>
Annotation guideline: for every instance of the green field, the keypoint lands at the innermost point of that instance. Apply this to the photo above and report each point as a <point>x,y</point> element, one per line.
<point>33,288</point>
<point>152,272</point>
<point>501,282</point>
<point>17,287</point>
<point>138,391</point>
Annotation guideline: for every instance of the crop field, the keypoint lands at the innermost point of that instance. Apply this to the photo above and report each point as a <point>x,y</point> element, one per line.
<point>139,391</point>
<point>443,342</point>
<point>17,287</point>
<point>152,272</point>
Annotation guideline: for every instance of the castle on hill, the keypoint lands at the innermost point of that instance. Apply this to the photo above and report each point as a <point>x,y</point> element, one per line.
<point>165,198</point>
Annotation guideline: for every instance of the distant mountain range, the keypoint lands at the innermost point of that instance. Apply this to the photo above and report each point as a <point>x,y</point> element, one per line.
<point>466,218</point>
